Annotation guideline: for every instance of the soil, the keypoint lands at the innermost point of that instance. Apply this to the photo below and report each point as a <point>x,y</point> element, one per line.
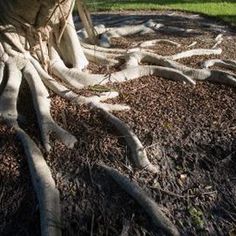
<point>189,132</point>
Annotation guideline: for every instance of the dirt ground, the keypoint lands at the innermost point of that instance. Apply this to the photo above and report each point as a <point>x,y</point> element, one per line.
<point>189,132</point>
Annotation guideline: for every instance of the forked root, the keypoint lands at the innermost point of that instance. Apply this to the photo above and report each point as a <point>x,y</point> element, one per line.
<point>139,156</point>
<point>76,79</point>
<point>191,74</point>
<point>148,204</point>
<point>42,106</point>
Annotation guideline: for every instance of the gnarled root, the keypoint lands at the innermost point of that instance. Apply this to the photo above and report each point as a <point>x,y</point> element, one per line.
<point>148,204</point>
<point>44,185</point>
<point>147,27</point>
<point>42,105</point>
<point>77,79</point>
<point>139,155</point>
<point>191,74</point>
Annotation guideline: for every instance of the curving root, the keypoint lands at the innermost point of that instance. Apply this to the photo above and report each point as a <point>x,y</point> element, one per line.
<point>42,106</point>
<point>76,79</point>
<point>147,203</point>
<point>226,64</point>
<point>139,155</point>
<point>44,185</point>
<point>147,27</point>
<point>191,74</point>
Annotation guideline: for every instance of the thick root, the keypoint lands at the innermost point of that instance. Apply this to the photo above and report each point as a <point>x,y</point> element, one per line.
<point>148,204</point>
<point>226,64</point>
<point>44,185</point>
<point>70,47</point>
<point>100,57</point>
<point>42,106</point>
<point>77,79</point>
<point>148,27</point>
<point>8,99</point>
<point>195,52</point>
<point>138,153</point>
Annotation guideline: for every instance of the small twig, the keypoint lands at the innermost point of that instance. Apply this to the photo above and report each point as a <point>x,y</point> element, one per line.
<point>170,193</point>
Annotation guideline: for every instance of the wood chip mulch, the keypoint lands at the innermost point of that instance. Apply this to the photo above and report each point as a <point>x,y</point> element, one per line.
<point>190,133</point>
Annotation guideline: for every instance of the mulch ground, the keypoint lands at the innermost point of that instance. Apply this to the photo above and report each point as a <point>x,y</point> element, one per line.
<point>190,133</point>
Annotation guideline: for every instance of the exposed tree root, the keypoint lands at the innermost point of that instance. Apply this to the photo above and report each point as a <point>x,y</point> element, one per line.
<point>151,43</point>
<point>219,40</point>
<point>8,98</point>
<point>138,152</point>
<point>192,44</point>
<point>42,105</point>
<point>148,204</point>
<point>148,27</point>
<point>44,185</point>
<point>191,74</point>
<point>56,50</point>
<point>139,155</point>
<point>195,52</point>
<point>226,64</point>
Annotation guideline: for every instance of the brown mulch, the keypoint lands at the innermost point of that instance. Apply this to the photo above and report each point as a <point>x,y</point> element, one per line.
<point>190,133</point>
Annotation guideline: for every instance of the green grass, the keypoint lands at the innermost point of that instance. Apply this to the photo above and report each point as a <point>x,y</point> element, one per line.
<point>224,9</point>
